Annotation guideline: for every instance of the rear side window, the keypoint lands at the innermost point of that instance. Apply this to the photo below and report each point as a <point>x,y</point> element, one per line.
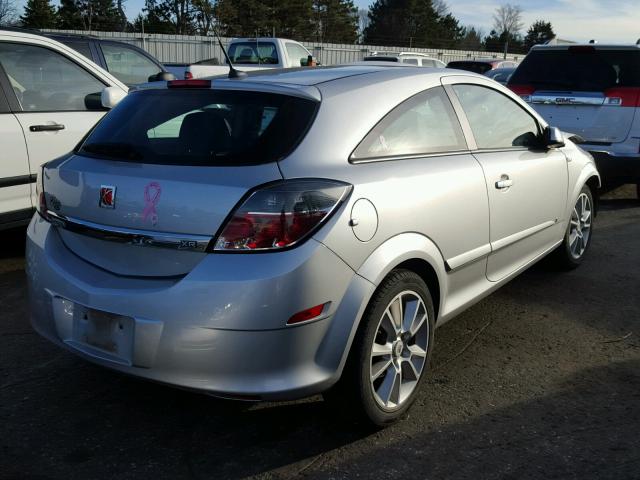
<point>254,53</point>
<point>496,121</point>
<point>581,69</point>
<point>424,124</point>
<point>201,127</point>
<point>82,47</point>
<point>410,61</point>
<point>298,56</point>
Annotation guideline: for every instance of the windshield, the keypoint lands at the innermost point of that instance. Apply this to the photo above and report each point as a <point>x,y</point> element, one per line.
<point>253,53</point>
<point>583,69</point>
<point>201,127</point>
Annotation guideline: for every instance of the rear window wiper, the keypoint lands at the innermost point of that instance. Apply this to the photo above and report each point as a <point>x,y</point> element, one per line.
<point>113,150</point>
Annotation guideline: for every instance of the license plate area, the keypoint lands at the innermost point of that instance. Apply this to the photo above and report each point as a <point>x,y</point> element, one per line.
<point>106,332</point>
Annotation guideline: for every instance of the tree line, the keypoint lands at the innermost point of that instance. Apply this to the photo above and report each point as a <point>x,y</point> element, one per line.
<point>398,23</point>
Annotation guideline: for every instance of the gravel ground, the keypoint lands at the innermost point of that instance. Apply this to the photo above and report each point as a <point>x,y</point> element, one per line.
<point>539,380</point>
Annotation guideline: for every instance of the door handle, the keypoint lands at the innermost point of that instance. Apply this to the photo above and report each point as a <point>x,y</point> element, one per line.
<point>504,182</point>
<point>46,128</point>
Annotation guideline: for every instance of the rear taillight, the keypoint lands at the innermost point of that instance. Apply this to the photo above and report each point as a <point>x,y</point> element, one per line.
<point>622,97</point>
<point>41,207</point>
<point>524,91</point>
<point>280,215</point>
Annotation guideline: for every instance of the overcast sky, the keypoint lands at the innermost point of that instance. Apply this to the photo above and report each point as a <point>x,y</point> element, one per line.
<point>580,20</point>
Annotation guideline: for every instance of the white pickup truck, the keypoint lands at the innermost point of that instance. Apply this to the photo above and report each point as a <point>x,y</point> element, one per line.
<point>249,54</point>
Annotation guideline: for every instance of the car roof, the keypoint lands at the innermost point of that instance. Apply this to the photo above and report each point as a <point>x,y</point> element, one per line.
<point>306,76</point>
<point>597,46</point>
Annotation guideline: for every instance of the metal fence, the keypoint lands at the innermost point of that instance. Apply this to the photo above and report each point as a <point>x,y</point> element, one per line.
<point>190,49</point>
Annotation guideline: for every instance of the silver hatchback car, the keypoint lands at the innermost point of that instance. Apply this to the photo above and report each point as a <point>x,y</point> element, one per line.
<point>299,232</point>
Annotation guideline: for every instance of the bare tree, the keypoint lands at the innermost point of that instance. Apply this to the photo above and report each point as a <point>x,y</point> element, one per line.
<point>203,15</point>
<point>508,19</point>
<point>7,12</point>
<point>363,20</point>
<point>440,7</point>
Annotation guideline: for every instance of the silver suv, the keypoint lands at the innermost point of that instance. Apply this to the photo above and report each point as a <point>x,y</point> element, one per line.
<point>282,235</point>
<point>591,90</point>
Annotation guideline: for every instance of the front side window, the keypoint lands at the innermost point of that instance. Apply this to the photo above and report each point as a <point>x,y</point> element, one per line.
<point>496,120</point>
<point>44,80</point>
<point>424,124</point>
<point>253,53</point>
<point>127,65</point>
<point>202,127</point>
<point>298,56</point>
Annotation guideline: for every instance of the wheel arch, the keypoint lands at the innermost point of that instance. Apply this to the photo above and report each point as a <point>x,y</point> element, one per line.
<point>411,251</point>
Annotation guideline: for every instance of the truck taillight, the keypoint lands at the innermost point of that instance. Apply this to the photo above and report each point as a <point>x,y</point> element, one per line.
<point>622,97</point>
<point>524,91</point>
<point>280,215</point>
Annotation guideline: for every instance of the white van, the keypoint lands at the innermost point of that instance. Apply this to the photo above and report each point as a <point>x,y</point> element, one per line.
<point>50,97</point>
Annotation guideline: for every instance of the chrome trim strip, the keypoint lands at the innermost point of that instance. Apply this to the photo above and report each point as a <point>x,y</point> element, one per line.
<point>130,236</point>
<point>469,257</point>
<point>566,100</point>
<point>516,237</point>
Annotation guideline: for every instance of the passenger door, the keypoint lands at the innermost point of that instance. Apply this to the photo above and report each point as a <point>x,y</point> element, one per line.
<point>526,184</point>
<point>55,100</point>
<point>15,179</point>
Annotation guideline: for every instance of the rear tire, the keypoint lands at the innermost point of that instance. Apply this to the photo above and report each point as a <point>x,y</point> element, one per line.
<point>390,352</point>
<point>577,239</point>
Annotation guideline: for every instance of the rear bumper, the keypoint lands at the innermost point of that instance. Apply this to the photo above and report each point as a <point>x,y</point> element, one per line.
<point>616,168</point>
<point>227,338</point>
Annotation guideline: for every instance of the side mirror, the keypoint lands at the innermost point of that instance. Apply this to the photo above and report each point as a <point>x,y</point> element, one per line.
<point>111,96</point>
<point>553,137</point>
<point>162,77</point>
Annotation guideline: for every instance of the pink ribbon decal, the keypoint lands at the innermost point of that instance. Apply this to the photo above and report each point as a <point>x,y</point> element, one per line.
<point>151,198</point>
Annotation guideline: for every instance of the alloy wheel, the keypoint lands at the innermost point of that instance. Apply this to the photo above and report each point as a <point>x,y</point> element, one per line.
<point>580,227</point>
<point>399,350</point>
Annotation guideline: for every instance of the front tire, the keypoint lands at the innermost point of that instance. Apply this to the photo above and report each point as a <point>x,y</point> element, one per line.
<point>577,239</point>
<point>390,352</point>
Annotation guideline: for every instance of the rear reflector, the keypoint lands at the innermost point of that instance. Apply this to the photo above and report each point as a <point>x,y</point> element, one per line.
<point>308,314</point>
<point>622,97</point>
<point>189,83</point>
<point>524,91</point>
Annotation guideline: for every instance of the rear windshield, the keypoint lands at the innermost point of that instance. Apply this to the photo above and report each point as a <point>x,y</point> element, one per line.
<point>201,127</point>
<point>254,53</point>
<point>476,67</point>
<point>582,69</point>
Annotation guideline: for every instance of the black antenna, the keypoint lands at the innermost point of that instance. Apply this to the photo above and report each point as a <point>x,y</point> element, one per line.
<point>233,73</point>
